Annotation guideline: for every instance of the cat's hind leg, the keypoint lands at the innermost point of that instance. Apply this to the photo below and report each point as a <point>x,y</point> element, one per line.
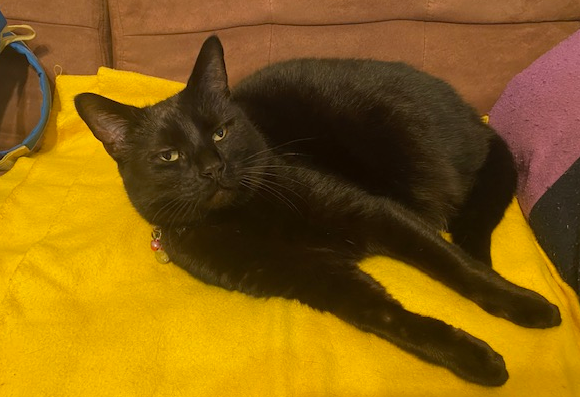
<point>484,208</point>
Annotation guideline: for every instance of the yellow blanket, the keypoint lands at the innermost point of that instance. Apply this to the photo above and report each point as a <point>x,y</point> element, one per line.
<point>87,311</point>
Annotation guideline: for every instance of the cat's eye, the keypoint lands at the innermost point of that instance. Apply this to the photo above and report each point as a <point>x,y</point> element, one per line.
<point>169,155</point>
<point>219,134</point>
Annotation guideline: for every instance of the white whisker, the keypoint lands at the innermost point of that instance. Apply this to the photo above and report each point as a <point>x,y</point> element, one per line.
<point>260,184</point>
<point>271,149</point>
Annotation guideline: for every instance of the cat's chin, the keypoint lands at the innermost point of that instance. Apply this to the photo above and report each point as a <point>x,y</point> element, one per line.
<point>220,198</point>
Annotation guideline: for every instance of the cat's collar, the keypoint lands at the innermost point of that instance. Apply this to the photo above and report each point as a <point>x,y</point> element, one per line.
<point>156,246</point>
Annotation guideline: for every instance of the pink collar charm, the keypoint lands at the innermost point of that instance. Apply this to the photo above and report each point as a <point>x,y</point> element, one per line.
<point>156,246</point>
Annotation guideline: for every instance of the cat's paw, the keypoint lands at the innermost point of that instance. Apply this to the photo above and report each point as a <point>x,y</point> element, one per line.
<point>535,312</point>
<point>526,308</point>
<point>476,362</point>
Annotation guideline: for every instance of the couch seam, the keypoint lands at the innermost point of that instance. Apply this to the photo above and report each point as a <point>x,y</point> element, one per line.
<point>106,35</point>
<point>156,34</point>
<point>492,23</point>
<point>427,16</point>
<point>72,25</point>
<point>116,63</point>
<point>271,32</point>
<point>100,30</point>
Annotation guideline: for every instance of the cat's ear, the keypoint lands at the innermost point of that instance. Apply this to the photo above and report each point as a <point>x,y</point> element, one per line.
<point>209,73</point>
<point>108,120</point>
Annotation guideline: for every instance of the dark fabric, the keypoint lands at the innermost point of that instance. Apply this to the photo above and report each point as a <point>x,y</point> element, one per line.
<point>556,221</point>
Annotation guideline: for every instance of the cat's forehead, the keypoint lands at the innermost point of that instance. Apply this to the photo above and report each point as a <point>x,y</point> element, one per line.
<point>169,120</point>
<point>180,121</point>
<point>202,113</point>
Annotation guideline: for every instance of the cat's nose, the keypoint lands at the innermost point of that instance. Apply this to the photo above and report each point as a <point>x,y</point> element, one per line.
<point>213,170</point>
<point>210,164</point>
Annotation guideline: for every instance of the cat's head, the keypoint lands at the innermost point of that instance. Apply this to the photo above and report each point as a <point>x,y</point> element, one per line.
<point>185,156</point>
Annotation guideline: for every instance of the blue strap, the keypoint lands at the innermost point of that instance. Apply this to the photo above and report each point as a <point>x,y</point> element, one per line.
<point>6,159</point>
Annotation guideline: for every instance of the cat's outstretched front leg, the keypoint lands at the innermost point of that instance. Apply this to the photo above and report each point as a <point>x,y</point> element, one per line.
<point>329,280</point>
<point>371,309</point>
<point>407,240</point>
<point>397,233</point>
<point>387,228</point>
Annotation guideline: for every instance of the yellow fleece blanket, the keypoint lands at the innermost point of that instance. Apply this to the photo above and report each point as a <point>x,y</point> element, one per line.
<point>87,311</point>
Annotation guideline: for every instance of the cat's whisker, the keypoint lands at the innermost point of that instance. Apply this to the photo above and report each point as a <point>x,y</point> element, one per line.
<point>250,185</point>
<point>174,210</point>
<point>249,166</point>
<point>274,192</point>
<point>171,212</point>
<point>273,156</point>
<point>257,174</point>
<point>278,176</point>
<point>271,149</point>
<point>288,189</point>
<point>277,166</point>
<point>187,208</point>
<point>192,207</point>
<point>178,213</point>
<point>167,205</point>
<point>254,188</point>
<point>195,207</point>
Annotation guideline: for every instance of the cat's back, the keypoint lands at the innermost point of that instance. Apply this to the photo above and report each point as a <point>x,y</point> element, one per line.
<point>326,74</point>
<point>385,126</point>
<point>342,83</point>
<point>353,96</point>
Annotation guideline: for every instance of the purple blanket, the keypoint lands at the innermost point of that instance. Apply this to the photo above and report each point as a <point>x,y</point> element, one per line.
<point>539,116</point>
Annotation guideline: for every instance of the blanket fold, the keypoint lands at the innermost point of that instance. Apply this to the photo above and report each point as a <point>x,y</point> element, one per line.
<point>86,310</point>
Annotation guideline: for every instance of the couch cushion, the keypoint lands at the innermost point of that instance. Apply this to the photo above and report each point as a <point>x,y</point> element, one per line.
<point>502,11</point>
<point>472,47</point>
<point>480,59</point>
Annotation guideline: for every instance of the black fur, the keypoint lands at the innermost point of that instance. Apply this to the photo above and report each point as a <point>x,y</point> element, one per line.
<point>281,186</point>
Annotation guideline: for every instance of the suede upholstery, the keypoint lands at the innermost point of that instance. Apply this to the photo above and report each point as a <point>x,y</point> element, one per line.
<point>476,46</point>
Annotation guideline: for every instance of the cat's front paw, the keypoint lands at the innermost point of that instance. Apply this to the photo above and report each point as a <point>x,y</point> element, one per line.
<point>535,312</point>
<point>476,362</point>
<point>526,308</point>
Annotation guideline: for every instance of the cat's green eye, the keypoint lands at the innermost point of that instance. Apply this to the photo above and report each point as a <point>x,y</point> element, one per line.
<point>219,134</point>
<point>169,155</point>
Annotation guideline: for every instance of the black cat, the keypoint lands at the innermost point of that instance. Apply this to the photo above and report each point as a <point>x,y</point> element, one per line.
<point>281,186</point>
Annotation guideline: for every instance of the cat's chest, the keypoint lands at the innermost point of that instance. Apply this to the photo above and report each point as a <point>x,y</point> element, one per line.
<point>251,231</point>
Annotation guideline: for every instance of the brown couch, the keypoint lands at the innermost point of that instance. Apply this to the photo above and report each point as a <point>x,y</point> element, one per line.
<point>476,46</point>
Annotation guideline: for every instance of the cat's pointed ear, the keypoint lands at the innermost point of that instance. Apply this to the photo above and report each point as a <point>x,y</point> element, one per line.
<point>209,73</point>
<point>108,120</point>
